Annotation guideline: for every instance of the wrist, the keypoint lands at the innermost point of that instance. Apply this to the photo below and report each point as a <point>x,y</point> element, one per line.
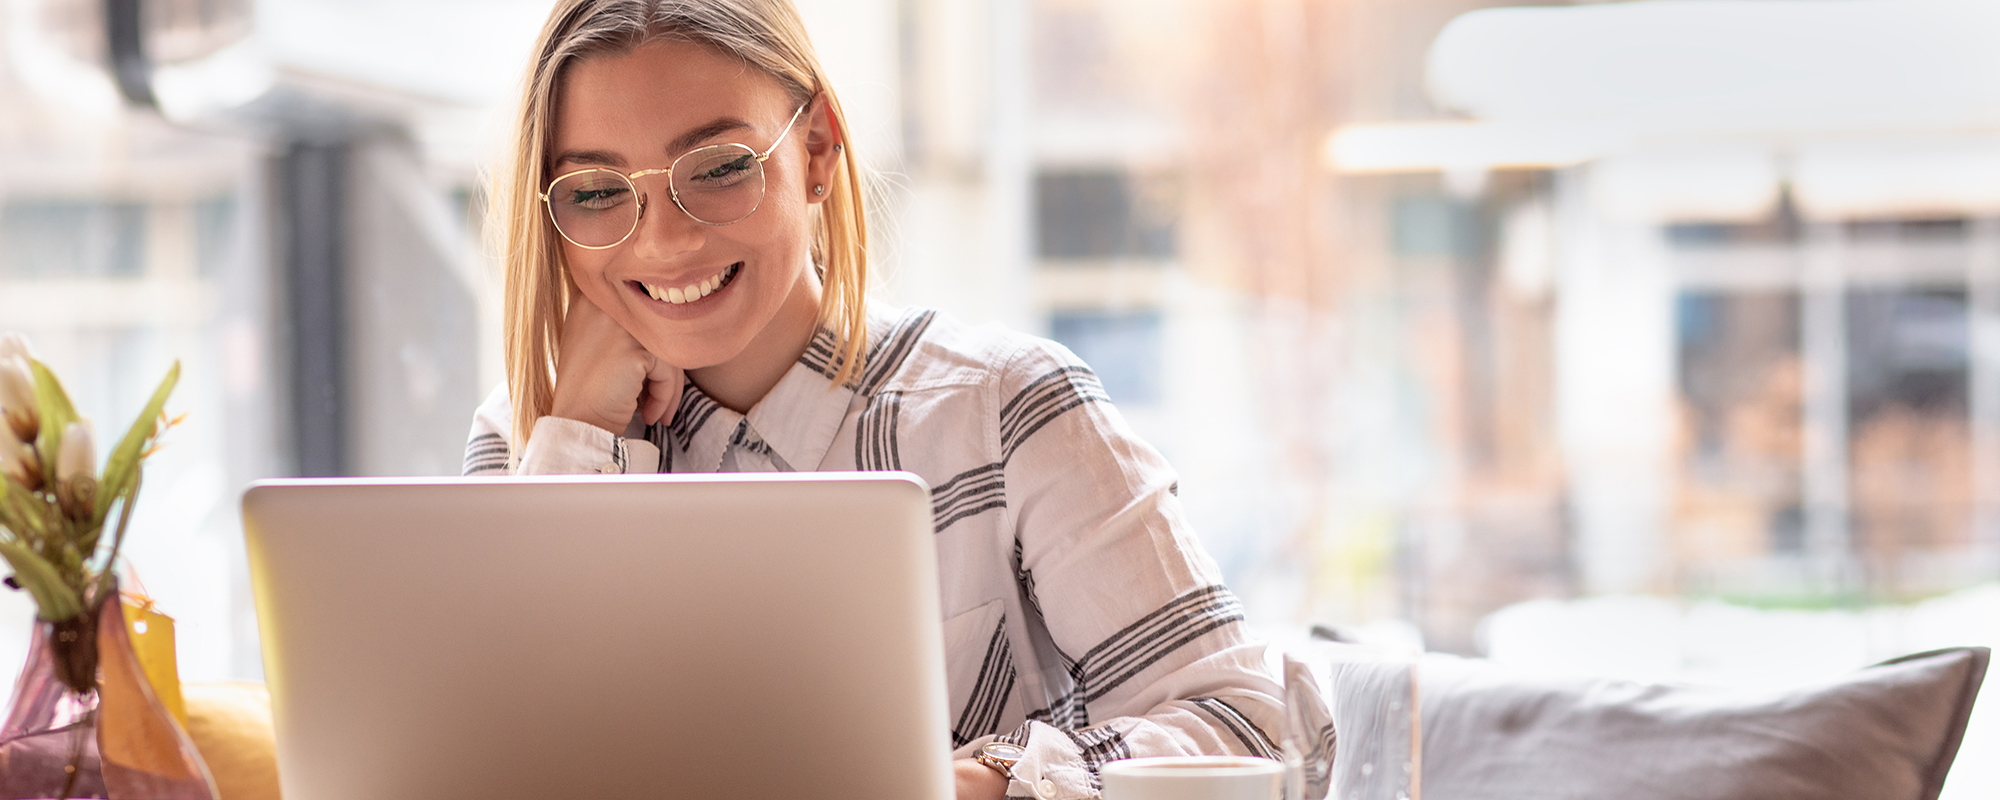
<point>614,428</point>
<point>976,781</point>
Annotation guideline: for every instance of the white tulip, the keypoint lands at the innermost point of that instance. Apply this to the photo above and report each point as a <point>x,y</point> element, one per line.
<point>76,469</point>
<point>14,344</point>
<point>17,397</point>
<point>78,458</point>
<point>17,461</point>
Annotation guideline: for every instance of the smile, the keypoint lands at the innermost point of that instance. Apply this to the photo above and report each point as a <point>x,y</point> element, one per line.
<point>682,295</point>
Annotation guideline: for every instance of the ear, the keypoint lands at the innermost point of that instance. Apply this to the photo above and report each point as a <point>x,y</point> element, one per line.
<point>825,149</point>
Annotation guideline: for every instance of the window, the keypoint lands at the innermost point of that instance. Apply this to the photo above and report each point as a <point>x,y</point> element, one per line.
<point>1741,384</point>
<point>1122,346</point>
<point>214,229</point>
<point>1426,226</point>
<point>1104,214</point>
<point>72,238</point>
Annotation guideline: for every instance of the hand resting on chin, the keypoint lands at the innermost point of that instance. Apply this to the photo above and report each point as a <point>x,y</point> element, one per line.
<point>605,376</point>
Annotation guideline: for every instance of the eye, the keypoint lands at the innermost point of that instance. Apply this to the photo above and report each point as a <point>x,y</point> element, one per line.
<point>597,197</point>
<point>591,190</point>
<point>722,170</point>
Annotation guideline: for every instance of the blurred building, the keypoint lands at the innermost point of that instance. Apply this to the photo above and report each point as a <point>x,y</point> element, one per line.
<point>206,191</point>
<point>1359,400</point>
<point>1440,311</point>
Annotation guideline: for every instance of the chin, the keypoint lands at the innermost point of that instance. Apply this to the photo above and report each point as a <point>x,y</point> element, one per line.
<point>692,351</point>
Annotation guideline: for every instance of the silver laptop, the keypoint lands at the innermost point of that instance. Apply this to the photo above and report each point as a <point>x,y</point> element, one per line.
<point>753,636</point>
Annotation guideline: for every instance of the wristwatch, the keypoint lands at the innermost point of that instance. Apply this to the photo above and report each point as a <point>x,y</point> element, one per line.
<point>1001,757</point>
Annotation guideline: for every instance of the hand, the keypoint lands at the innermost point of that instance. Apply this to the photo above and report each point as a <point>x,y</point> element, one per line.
<point>604,376</point>
<point>977,781</point>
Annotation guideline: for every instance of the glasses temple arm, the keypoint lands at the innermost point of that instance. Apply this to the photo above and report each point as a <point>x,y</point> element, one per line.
<point>794,121</point>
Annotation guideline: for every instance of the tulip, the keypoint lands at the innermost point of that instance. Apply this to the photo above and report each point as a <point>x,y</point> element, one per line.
<point>76,468</point>
<point>78,458</point>
<point>14,344</point>
<point>17,397</point>
<point>18,461</point>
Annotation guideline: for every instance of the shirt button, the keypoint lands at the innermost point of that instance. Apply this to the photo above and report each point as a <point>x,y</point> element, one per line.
<point>1046,787</point>
<point>608,467</point>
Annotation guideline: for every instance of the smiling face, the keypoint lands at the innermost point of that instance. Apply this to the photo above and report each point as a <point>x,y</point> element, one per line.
<point>725,293</point>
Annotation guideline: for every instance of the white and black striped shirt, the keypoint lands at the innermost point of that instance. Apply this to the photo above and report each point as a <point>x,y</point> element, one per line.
<point>1082,618</point>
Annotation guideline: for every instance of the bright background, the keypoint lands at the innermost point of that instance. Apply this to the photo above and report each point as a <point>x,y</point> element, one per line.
<point>1657,339</point>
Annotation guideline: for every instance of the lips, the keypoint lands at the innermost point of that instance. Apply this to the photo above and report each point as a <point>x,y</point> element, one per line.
<point>682,295</point>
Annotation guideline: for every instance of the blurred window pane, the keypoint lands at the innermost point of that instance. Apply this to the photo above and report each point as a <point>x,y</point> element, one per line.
<point>1909,440</point>
<point>1103,214</point>
<point>1741,388</point>
<point>1700,235</point>
<point>1123,347</point>
<point>214,228</point>
<point>72,238</point>
<point>1907,347</point>
<point>1911,230</point>
<point>1426,225</point>
<point>1781,227</point>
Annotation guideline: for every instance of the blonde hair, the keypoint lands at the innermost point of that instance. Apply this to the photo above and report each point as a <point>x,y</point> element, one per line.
<point>767,35</point>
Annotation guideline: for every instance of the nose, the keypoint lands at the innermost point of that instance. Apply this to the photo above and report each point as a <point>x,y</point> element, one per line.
<point>665,232</point>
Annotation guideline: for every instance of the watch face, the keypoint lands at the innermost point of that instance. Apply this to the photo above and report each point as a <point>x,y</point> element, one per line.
<point>1004,751</point>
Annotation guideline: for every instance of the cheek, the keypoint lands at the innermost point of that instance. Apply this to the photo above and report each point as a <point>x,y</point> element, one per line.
<point>777,234</point>
<point>790,223</point>
<point>587,266</point>
<point>586,270</point>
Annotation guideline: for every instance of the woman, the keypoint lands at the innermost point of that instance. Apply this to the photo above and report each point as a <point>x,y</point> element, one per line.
<point>685,272</point>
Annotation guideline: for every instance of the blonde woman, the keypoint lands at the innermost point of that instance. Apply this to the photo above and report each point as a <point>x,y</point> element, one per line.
<point>686,266</point>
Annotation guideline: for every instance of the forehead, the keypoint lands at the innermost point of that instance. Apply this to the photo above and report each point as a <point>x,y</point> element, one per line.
<point>635,102</point>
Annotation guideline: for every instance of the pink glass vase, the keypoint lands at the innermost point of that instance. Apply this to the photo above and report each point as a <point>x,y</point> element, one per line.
<point>113,740</point>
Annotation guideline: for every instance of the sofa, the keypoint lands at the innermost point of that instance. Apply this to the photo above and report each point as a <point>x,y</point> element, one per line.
<point>1365,725</point>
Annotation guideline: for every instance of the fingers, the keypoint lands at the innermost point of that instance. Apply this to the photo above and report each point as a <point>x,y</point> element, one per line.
<point>664,384</point>
<point>601,372</point>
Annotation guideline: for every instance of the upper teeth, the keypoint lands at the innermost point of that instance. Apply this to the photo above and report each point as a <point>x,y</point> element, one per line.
<point>686,294</point>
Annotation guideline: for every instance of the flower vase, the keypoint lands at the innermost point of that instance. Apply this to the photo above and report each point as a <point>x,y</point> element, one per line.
<point>114,740</point>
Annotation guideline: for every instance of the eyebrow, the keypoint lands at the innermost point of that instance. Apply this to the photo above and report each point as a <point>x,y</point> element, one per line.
<point>680,144</point>
<point>721,126</point>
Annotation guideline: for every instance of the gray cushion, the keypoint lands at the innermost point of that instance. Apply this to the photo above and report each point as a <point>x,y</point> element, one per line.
<point>1885,732</point>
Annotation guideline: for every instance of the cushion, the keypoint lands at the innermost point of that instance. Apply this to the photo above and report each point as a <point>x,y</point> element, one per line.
<point>1888,731</point>
<point>230,724</point>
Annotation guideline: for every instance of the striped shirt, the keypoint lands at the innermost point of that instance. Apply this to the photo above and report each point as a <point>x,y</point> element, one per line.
<point>1082,619</point>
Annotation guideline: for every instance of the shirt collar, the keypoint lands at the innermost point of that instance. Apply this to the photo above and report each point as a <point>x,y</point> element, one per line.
<point>798,418</point>
<point>700,430</point>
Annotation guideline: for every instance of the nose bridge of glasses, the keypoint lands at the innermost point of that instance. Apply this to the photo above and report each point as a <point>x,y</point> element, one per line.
<point>633,179</point>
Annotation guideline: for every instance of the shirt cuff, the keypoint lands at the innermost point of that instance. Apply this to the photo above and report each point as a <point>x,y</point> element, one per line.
<point>562,446</point>
<point>1052,769</point>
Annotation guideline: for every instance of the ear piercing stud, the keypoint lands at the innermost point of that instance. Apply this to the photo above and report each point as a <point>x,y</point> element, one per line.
<point>819,189</point>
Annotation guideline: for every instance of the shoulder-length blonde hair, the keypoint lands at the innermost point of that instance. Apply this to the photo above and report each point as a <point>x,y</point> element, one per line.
<point>767,35</point>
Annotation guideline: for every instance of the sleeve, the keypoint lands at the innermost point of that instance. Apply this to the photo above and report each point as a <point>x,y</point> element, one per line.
<point>1156,656</point>
<point>558,446</point>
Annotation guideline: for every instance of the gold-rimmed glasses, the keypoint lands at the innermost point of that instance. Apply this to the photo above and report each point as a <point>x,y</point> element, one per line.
<point>599,208</point>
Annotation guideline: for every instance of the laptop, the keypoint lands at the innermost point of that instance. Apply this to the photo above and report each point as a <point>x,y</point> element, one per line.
<point>741,636</point>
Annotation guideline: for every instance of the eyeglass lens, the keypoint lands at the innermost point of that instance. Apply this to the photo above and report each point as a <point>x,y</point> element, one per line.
<point>716,185</point>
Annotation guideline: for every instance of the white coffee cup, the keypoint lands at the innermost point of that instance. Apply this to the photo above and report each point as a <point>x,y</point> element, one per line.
<point>1193,778</point>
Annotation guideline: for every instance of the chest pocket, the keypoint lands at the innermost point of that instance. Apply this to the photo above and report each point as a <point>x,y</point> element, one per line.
<point>979,671</point>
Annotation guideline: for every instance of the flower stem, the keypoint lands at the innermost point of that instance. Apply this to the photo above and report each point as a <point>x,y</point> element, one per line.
<point>108,573</point>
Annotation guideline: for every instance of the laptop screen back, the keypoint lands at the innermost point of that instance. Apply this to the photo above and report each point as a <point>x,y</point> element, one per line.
<point>693,636</point>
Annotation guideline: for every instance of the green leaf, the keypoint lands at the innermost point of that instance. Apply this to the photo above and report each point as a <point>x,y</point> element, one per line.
<point>24,512</point>
<point>56,599</point>
<point>121,469</point>
<point>53,405</point>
